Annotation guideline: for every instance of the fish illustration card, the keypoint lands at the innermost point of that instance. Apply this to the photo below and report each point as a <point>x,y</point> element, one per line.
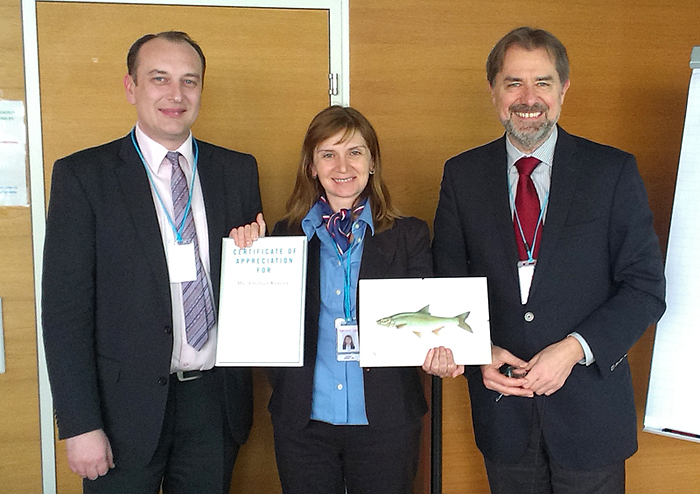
<point>401,319</point>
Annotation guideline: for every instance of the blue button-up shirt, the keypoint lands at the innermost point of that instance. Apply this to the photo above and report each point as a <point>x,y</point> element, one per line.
<point>338,390</point>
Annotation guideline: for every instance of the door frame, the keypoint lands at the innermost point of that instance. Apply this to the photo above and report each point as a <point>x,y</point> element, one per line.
<point>339,63</point>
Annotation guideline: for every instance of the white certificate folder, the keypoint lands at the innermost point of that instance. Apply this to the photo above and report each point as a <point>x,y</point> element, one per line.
<point>261,306</point>
<point>401,319</point>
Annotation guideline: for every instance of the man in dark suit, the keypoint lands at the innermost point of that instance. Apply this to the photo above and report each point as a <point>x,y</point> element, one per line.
<point>130,285</point>
<point>561,418</point>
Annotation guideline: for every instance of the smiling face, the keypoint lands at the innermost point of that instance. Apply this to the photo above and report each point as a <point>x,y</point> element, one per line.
<point>167,95</point>
<point>342,168</point>
<point>528,95</point>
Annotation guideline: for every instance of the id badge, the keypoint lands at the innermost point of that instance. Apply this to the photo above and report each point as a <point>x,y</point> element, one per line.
<point>526,270</point>
<point>347,341</point>
<point>181,262</point>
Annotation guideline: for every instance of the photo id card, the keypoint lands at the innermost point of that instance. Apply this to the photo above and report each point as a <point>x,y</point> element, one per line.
<point>181,262</point>
<point>347,341</point>
<point>526,270</point>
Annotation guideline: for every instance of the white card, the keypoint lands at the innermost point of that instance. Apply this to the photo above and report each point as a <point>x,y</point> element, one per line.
<point>401,319</point>
<point>271,272</point>
<point>181,263</point>
<point>526,270</point>
<point>347,341</point>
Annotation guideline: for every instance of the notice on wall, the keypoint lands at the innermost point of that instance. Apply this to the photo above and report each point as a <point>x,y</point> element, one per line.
<point>13,154</point>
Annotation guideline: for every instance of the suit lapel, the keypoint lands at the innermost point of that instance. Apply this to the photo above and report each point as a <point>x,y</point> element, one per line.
<point>497,201</point>
<point>136,191</point>
<point>211,179</point>
<point>565,177</point>
<point>377,253</point>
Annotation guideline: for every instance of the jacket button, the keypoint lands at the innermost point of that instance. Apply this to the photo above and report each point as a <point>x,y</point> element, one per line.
<point>168,329</point>
<point>163,381</point>
<point>529,316</point>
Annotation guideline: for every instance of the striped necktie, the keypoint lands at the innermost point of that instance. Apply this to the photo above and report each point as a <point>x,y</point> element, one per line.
<point>196,297</point>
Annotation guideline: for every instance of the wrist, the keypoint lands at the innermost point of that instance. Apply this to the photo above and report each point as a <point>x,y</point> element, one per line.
<point>575,349</point>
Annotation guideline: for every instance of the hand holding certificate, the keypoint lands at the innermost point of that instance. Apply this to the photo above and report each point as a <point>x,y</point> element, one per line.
<point>261,308</point>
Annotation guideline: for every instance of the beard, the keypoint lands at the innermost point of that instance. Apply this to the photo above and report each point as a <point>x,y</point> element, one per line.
<point>531,135</point>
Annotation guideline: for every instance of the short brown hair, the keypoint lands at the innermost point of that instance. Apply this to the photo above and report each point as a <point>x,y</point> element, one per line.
<point>529,39</point>
<point>132,58</point>
<point>308,189</point>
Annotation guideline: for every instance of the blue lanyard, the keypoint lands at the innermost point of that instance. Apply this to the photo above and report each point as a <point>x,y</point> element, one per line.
<point>528,248</point>
<point>347,280</point>
<point>177,230</point>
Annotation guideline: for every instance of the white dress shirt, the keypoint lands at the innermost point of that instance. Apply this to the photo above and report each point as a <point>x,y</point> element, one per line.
<point>185,357</point>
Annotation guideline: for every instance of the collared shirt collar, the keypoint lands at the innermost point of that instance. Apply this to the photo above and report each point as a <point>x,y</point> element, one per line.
<point>313,219</point>
<point>544,153</point>
<point>154,153</point>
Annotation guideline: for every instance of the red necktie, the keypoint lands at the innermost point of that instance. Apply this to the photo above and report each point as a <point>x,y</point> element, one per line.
<point>527,207</point>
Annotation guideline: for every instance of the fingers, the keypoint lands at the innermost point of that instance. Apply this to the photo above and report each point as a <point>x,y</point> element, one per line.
<point>238,236</point>
<point>440,362</point>
<point>427,364</point>
<point>110,456</point>
<point>508,386</point>
<point>546,383</point>
<point>262,227</point>
<point>551,367</point>
<point>544,386</point>
<point>244,236</point>
<point>500,356</point>
<point>98,470</point>
<point>90,454</point>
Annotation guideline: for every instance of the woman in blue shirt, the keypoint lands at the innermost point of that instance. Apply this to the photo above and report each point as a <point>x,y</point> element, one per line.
<point>337,425</point>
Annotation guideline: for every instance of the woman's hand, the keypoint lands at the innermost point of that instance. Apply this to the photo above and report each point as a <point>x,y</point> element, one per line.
<point>440,362</point>
<point>244,236</point>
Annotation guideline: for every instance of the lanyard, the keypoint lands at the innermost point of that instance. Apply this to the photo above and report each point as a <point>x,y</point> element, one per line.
<point>528,248</point>
<point>347,279</point>
<point>177,230</point>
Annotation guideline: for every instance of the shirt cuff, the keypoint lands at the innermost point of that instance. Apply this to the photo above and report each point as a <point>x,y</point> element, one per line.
<point>588,358</point>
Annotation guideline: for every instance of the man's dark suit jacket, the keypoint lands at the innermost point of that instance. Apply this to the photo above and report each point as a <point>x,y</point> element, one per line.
<point>393,395</point>
<point>599,273</point>
<point>107,316</point>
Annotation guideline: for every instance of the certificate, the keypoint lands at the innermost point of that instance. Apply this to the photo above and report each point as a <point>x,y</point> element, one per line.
<point>261,306</point>
<point>401,319</point>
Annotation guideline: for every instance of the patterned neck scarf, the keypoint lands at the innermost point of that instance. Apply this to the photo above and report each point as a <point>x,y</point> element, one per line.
<point>339,224</point>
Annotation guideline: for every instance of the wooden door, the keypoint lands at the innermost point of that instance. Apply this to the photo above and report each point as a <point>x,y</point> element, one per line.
<point>267,75</point>
<point>20,454</point>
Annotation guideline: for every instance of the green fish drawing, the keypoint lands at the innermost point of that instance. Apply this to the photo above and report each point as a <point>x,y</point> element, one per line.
<point>424,321</point>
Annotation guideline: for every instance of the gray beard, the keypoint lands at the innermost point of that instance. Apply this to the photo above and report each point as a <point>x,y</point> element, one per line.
<point>531,138</point>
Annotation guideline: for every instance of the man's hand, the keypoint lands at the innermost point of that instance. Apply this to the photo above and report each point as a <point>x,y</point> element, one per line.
<point>90,454</point>
<point>244,236</point>
<point>440,362</point>
<point>550,368</point>
<point>495,381</point>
